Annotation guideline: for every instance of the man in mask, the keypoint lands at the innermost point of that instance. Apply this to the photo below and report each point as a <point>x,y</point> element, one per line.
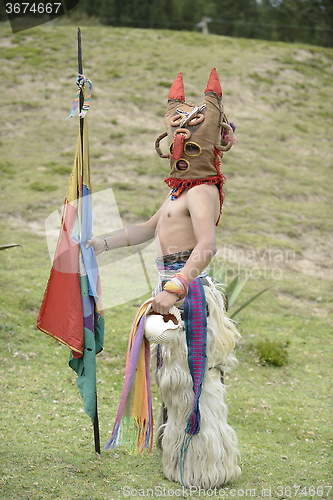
<point>199,447</point>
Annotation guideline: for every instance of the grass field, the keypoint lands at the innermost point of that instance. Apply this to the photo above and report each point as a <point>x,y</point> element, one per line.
<point>276,224</point>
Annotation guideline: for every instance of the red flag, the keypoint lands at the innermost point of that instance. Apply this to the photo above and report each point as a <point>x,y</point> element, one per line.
<point>61,314</point>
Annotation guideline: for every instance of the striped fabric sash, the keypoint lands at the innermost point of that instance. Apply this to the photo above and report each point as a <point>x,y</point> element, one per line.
<point>195,318</point>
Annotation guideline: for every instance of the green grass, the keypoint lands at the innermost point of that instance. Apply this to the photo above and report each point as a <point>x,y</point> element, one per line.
<point>276,224</point>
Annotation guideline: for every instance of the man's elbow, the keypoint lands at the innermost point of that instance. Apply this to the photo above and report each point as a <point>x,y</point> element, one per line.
<point>213,249</point>
<point>210,250</point>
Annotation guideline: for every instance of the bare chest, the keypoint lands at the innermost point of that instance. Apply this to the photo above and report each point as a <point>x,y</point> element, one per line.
<point>174,228</point>
<point>175,211</point>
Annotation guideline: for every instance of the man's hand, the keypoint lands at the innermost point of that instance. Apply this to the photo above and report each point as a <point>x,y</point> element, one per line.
<point>163,302</point>
<point>98,245</point>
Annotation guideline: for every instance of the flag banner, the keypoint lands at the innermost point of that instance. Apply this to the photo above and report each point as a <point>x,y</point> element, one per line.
<point>71,310</point>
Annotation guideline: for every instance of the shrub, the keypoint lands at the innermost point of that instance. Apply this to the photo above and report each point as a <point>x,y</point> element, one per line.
<point>273,352</point>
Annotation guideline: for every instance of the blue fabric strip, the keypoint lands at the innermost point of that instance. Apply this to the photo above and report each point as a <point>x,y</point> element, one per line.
<point>88,254</point>
<point>195,318</point>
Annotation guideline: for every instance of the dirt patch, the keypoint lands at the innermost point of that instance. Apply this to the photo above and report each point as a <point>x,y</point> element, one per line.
<point>316,261</point>
<point>311,268</point>
<point>18,222</point>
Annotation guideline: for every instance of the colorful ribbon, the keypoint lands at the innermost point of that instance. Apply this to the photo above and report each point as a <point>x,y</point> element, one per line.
<point>80,82</point>
<point>135,408</point>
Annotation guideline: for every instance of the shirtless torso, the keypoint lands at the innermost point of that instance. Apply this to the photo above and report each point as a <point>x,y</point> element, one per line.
<point>179,221</point>
<point>174,227</point>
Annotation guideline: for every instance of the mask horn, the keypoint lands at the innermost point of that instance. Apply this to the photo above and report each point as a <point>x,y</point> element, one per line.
<point>177,89</point>
<point>214,84</point>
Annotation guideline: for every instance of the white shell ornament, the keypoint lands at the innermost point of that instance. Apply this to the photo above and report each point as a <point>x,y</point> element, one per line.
<point>157,330</point>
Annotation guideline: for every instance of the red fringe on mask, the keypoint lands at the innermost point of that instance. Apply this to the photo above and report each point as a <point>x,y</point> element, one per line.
<point>181,184</point>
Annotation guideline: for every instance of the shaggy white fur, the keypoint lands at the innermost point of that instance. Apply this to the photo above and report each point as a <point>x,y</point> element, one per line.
<point>211,457</point>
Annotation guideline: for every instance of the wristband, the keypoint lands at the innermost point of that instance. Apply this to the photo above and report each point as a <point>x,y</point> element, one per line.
<point>106,243</point>
<point>177,285</point>
<point>127,237</point>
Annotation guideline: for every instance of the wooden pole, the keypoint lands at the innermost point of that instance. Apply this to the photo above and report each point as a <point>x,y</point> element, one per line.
<point>80,69</point>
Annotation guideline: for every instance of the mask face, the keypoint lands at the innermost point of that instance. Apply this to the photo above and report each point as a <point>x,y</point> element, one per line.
<point>192,145</point>
<point>194,132</point>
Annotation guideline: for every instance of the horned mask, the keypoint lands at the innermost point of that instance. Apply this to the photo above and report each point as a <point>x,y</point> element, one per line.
<point>197,135</point>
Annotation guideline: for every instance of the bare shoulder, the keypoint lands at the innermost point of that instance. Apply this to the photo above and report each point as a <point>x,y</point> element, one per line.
<point>204,199</point>
<point>204,191</point>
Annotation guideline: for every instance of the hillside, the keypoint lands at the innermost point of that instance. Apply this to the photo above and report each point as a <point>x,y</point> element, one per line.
<point>276,224</point>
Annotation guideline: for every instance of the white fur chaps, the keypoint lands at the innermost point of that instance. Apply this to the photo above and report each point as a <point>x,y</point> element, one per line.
<point>211,457</point>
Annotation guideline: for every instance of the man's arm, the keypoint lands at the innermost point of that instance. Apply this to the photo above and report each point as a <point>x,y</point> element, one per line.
<point>203,205</point>
<point>132,235</point>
